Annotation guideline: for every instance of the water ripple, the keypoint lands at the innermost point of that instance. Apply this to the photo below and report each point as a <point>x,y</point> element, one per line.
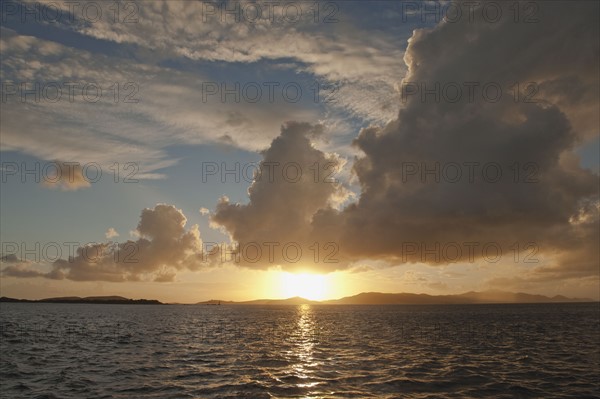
<point>122,351</point>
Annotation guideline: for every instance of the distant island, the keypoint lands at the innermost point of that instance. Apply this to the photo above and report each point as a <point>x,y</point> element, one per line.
<point>364,298</point>
<point>110,300</point>
<point>379,298</point>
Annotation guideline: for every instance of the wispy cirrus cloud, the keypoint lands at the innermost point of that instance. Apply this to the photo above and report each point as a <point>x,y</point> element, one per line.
<point>321,39</point>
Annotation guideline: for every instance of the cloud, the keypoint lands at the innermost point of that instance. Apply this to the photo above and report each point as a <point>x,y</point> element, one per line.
<point>166,30</point>
<point>21,271</point>
<point>17,267</point>
<point>10,258</point>
<point>361,268</point>
<point>393,210</point>
<point>542,204</point>
<point>68,176</point>
<point>164,247</point>
<point>155,108</point>
<point>293,184</point>
<point>111,233</point>
<point>74,128</point>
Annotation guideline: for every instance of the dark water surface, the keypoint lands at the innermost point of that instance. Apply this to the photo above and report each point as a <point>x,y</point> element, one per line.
<point>178,351</point>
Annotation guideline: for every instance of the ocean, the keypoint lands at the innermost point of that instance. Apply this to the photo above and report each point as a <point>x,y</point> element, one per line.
<point>308,351</point>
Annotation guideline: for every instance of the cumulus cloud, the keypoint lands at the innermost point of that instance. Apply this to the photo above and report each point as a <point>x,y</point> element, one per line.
<point>164,247</point>
<point>576,254</point>
<point>294,181</point>
<point>397,207</point>
<point>535,190</point>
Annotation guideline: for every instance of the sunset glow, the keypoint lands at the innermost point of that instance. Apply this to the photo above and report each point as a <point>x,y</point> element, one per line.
<point>299,199</point>
<point>306,285</point>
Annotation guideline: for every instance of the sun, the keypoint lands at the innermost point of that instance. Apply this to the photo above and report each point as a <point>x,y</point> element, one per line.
<point>306,285</point>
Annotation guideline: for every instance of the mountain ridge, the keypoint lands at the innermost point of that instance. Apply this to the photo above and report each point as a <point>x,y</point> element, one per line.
<point>381,298</point>
<point>110,300</point>
<point>363,298</point>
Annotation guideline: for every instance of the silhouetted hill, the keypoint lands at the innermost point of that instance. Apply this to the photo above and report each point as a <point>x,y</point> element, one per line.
<point>113,300</point>
<point>379,298</point>
<point>364,298</point>
<point>289,301</point>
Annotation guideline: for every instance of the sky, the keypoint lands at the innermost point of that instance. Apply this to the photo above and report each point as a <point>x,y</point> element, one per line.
<point>193,150</point>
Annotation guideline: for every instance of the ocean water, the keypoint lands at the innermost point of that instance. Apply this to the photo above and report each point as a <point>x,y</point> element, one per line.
<point>179,351</point>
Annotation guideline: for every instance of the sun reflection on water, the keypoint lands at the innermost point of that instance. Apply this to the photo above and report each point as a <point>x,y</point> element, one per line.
<point>304,339</point>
